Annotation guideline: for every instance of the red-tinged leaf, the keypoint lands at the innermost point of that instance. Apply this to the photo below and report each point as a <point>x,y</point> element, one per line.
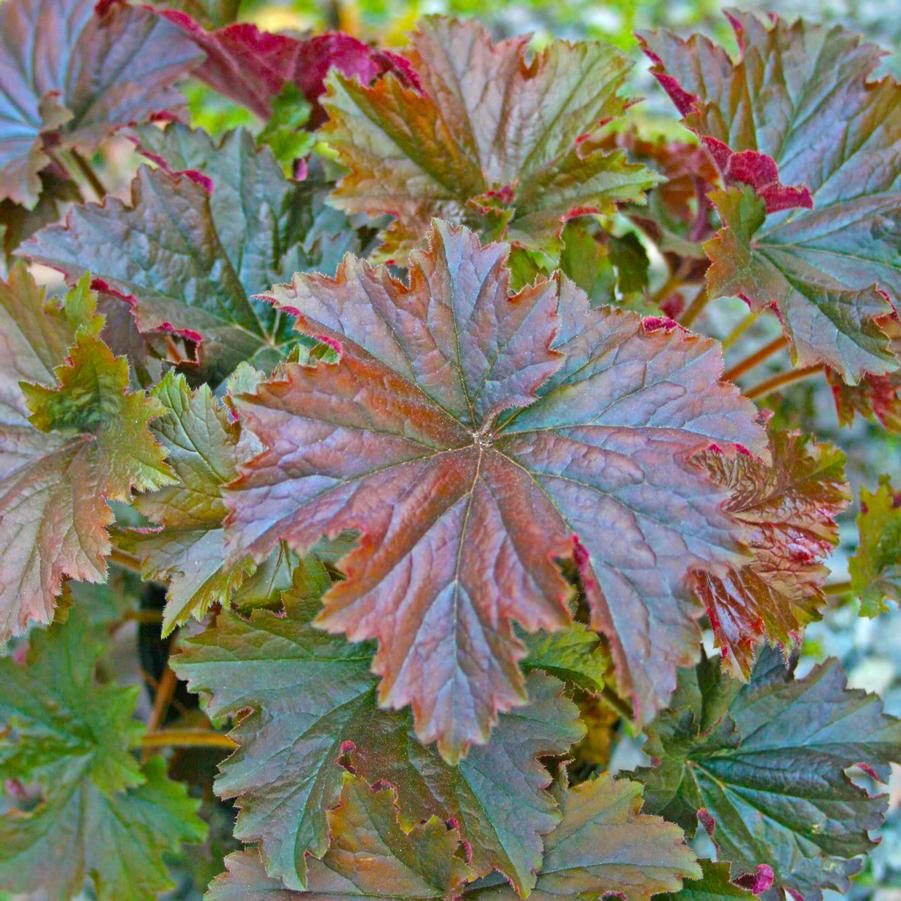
<point>372,855</point>
<point>463,512</point>
<point>716,884</point>
<point>486,138</point>
<point>799,99</point>
<point>200,278</point>
<point>71,438</point>
<point>69,71</point>
<point>875,397</point>
<point>312,703</point>
<point>876,565</point>
<point>252,66</point>
<point>603,846</point>
<point>788,507</point>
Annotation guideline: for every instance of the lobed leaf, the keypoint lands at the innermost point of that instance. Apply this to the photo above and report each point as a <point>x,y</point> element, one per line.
<point>100,815</point>
<point>199,279</point>
<point>72,437</point>
<point>313,704</point>
<point>605,845</point>
<point>464,512</point>
<point>788,507</point>
<point>799,98</point>
<point>764,767</point>
<point>77,74</point>
<point>876,566</point>
<point>482,137</point>
<point>372,855</point>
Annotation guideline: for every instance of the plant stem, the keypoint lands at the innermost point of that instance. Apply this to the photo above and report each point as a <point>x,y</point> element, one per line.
<point>672,283</point>
<point>695,308</point>
<point>617,703</point>
<point>164,690</point>
<point>87,171</point>
<point>837,588</point>
<point>756,358</point>
<point>186,738</point>
<point>741,328</point>
<point>126,561</point>
<point>784,378</point>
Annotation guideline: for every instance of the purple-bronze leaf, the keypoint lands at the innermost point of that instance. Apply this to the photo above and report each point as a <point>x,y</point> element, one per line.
<point>474,439</point>
<point>71,74</point>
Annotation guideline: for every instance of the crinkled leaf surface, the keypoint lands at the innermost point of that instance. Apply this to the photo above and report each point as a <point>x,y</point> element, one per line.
<point>101,815</point>
<point>187,550</point>
<point>71,437</point>
<point>789,507</point>
<point>876,566</point>
<point>767,762</point>
<point>69,71</point>
<point>464,512</point>
<point>190,252</point>
<point>486,137</point>
<point>252,66</point>
<point>371,855</point>
<point>801,95</point>
<point>605,845</point>
<point>313,701</point>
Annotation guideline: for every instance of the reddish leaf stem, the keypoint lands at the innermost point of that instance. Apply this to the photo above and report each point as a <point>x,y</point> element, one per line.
<point>756,358</point>
<point>784,378</point>
<point>695,308</point>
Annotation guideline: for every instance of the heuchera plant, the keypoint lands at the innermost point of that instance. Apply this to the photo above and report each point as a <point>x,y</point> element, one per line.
<point>371,421</point>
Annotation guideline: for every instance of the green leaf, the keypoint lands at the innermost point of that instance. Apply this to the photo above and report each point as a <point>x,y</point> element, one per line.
<point>574,654</point>
<point>72,76</point>
<point>765,766</point>
<point>100,815</point>
<point>826,321</point>
<point>799,97</point>
<point>715,884</point>
<point>876,566</point>
<point>72,437</point>
<point>312,699</point>
<point>517,159</point>
<point>284,131</point>
<point>372,855</point>
<point>187,550</point>
<point>199,279</point>
<point>604,845</point>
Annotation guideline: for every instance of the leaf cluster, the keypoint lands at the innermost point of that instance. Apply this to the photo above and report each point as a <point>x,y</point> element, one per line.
<point>381,465</point>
